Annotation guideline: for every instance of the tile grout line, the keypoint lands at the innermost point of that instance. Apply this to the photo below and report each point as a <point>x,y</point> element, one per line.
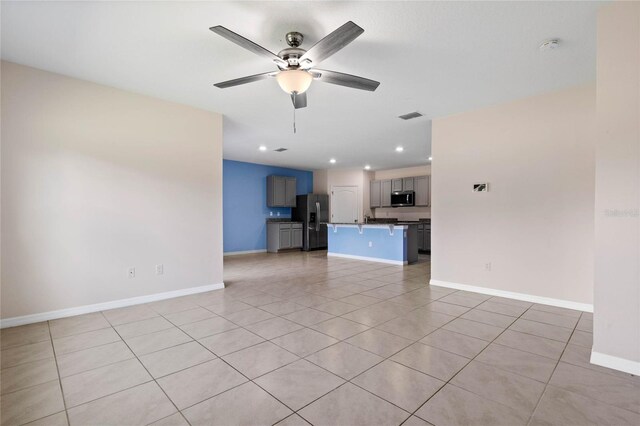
<point>55,357</point>
<point>148,372</point>
<point>553,372</point>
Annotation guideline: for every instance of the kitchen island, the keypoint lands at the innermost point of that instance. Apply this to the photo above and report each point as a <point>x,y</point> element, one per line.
<point>395,244</point>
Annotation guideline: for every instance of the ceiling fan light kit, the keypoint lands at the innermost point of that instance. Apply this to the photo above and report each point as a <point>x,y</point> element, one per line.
<point>295,81</point>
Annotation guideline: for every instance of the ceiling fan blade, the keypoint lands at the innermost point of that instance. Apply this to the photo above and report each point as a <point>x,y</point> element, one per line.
<point>299,101</point>
<point>248,44</point>
<point>346,80</point>
<point>331,43</point>
<point>245,80</point>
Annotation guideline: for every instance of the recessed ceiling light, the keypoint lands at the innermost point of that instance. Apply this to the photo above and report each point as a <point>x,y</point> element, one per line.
<point>262,148</point>
<point>367,167</point>
<point>399,149</point>
<point>332,161</point>
<point>430,158</point>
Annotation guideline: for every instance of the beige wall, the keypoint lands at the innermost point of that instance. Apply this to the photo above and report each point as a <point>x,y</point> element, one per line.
<point>367,177</point>
<point>97,180</point>
<point>617,228</point>
<point>535,225</point>
<point>320,182</point>
<point>404,213</point>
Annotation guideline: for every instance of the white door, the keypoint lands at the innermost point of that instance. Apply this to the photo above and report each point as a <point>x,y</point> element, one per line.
<point>344,204</point>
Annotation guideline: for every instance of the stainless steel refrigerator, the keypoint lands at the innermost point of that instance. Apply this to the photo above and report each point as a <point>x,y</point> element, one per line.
<point>313,211</point>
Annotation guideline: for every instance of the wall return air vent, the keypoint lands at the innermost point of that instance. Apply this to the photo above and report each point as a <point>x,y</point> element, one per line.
<point>280,150</point>
<point>410,115</point>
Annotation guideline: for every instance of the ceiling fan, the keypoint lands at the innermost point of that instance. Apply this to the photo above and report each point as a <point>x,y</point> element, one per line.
<point>296,66</point>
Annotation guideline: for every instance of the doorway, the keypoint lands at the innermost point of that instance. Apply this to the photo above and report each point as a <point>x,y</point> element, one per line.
<point>344,204</point>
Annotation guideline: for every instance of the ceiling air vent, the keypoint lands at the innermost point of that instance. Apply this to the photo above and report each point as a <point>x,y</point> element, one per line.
<point>411,115</point>
<point>280,150</point>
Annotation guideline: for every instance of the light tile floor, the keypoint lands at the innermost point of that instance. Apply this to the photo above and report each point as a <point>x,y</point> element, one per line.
<point>298,338</point>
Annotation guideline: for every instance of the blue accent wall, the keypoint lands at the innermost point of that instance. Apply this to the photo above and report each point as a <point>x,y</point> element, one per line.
<point>244,197</point>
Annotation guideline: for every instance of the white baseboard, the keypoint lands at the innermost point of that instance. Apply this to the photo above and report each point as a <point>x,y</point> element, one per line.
<point>620,364</point>
<point>585,307</point>
<point>87,309</point>
<point>368,259</point>
<point>235,253</point>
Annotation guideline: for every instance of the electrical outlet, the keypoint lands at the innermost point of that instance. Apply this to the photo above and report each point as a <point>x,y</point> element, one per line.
<point>278,214</point>
<point>270,213</point>
<point>132,272</point>
<point>370,243</point>
<point>159,269</point>
<point>487,266</point>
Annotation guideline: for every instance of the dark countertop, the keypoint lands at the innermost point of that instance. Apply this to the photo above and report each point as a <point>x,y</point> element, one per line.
<point>385,221</point>
<point>371,223</point>
<point>283,220</point>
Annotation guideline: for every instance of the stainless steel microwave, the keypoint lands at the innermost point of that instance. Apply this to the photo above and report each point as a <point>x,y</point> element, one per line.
<point>403,199</point>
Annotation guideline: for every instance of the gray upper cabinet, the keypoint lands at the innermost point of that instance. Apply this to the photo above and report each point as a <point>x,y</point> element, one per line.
<point>290,191</point>
<point>374,194</point>
<point>380,190</point>
<point>407,184</point>
<point>422,191</point>
<point>281,191</point>
<point>385,193</point>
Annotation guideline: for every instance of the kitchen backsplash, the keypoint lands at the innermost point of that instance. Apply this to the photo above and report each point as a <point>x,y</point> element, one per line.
<point>403,213</point>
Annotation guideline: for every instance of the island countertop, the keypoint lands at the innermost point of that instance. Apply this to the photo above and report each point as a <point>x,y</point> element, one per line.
<point>372,225</point>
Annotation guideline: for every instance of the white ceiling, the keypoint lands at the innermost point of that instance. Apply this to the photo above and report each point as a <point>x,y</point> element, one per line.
<point>438,58</point>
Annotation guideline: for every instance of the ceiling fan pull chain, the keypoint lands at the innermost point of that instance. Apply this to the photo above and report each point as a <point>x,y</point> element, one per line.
<point>295,96</point>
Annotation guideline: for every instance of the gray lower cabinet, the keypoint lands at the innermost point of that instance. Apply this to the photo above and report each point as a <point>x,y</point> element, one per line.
<point>427,238</point>
<point>374,193</point>
<point>412,243</point>
<point>281,191</point>
<point>385,193</point>
<point>283,235</point>
<point>424,237</point>
<point>296,237</point>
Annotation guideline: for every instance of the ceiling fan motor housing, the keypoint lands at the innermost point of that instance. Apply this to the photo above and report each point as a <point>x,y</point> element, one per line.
<point>292,55</point>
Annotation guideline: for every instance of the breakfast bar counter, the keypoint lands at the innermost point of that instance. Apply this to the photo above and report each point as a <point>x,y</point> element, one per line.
<point>395,244</point>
